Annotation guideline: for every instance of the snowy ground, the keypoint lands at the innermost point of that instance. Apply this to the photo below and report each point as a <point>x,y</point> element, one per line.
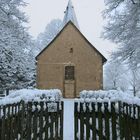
<point>68,119</point>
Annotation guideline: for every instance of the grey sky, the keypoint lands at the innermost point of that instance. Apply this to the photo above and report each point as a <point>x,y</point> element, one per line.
<point>41,12</point>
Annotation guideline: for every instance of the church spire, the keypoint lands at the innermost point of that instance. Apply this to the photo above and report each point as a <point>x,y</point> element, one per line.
<point>70,15</point>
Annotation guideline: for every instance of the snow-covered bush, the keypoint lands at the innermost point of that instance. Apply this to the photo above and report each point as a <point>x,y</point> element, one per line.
<point>27,95</point>
<point>108,96</point>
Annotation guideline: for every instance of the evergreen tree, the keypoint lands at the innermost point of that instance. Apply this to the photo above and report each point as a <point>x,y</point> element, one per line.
<point>14,46</point>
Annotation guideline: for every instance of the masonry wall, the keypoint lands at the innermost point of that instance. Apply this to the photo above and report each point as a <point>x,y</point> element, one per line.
<point>88,63</point>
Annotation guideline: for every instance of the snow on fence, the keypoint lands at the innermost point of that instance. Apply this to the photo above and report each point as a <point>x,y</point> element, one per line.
<point>38,116</point>
<point>110,95</point>
<point>32,95</point>
<point>106,117</point>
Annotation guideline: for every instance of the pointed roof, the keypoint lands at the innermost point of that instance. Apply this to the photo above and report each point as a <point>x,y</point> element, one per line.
<point>70,22</point>
<point>70,15</point>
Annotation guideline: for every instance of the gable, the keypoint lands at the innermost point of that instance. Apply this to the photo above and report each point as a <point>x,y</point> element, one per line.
<point>73,29</point>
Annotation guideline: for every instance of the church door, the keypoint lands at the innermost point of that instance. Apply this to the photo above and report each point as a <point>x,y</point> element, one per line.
<point>69,82</point>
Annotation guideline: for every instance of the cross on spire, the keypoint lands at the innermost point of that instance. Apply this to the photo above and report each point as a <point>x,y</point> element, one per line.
<point>70,15</point>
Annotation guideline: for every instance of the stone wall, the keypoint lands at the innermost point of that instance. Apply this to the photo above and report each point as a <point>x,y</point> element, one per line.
<point>70,48</point>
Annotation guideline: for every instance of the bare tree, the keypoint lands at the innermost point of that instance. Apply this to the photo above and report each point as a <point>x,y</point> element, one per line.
<point>123,27</point>
<point>44,38</point>
<point>134,77</point>
<point>115,76</point>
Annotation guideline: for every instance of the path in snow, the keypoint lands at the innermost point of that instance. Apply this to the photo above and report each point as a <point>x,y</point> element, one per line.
<point>68,119</point>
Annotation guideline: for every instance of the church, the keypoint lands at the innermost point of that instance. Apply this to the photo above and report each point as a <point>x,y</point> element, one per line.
<point>70,62</point>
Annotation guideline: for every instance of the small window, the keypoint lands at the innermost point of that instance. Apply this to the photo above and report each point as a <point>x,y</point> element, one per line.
<point>71,50</point>
<point>69,73</point>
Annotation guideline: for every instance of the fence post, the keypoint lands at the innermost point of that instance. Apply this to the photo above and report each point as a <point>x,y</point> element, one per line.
<point>61,120</point>
<point>46,119</point>
<point>114,135</point>
<point>11,121</point>
<point>41,120</point>
<point>29,116</point>
<point>35,121</point>
<point>8,122</point>
<point>0,121</point>
<point>100,121</point>
<point>123,122</point>
<point>107,116</point>
<point>22,120</point>
<point>3,123</point>
<point>120,120</point>
<point>135,122</point>
<point>51,124</point>
<point>18,120</point>
<point>56,121</point>
<point>76,120</point>
<point>87,121</point>
<point>81,121</point>
<point>130,121</point>
<point>15,121</point>
<point>139,122</point>
<point>127,130</point>
<point>93,121</point>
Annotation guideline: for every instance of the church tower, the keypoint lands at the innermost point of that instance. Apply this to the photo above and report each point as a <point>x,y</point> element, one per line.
<point>70,15</point>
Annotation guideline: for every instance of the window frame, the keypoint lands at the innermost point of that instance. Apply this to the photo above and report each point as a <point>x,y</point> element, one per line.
<point>69,72</point>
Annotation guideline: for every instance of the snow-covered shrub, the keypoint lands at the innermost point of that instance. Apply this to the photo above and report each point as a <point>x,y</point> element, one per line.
<point>27,95</point>
<point>108,96</point>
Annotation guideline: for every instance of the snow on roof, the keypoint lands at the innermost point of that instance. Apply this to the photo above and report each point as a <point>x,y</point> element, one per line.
<point>70,15</point>
<point>32,95</point>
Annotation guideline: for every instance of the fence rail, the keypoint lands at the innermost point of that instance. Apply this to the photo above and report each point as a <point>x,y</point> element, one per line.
<point>32,121</point>
<point>106,121</point>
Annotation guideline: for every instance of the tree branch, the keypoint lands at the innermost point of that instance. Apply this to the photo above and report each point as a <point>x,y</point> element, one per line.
<point>133,1</point>
<point>3,11</point>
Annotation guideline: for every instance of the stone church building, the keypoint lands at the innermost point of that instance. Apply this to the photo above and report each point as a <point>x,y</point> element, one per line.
<point>70,62</point>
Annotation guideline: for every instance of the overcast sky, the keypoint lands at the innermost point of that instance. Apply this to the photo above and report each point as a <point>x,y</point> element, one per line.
<point>89,16</point>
